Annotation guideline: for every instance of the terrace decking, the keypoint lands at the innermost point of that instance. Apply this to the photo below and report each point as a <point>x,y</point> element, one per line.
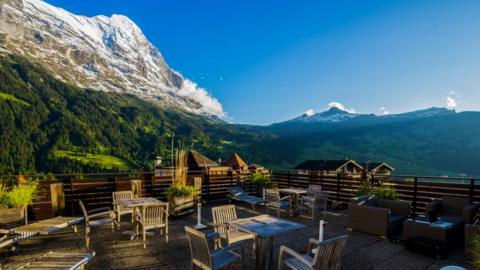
<point>116,251</point>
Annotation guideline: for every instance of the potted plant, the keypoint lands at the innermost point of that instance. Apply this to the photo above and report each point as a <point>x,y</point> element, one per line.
<point>261,181</point>
<point>180,195</point>
<point>14,201</point>
<point>383,192</point>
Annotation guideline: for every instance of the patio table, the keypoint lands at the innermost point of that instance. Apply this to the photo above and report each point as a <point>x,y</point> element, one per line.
<point>294,193</point>
<point>136,203</point>
<point>265,228</point>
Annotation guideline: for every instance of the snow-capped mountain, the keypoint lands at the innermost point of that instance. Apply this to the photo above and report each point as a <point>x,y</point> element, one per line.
<point>333,115</point>
<point>100,52</point>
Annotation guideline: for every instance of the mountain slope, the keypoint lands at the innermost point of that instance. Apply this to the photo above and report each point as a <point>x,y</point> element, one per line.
<point>49,126</point>
<point>102,53</point>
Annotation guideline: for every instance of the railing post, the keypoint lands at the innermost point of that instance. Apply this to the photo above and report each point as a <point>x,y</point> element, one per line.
<point>415,189</point>
<point>72,199</point>
<point>338,188</point>
<point>152,182</point>
<point>288,178</point>
<point>472,189</point>
<point>57,196</point>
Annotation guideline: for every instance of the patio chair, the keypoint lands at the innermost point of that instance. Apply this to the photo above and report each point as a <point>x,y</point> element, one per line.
<point>274,201</point>
<point>153,217</point>
<point>229,235</point>
<point>314,200</point>
<point>323,255</point>
<point>117,207</point>
<point>238,194</point>
<point>203,257</point>
<point>96,218</point>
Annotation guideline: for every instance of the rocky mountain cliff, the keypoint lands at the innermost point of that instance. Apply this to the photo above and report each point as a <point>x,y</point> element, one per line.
<point>103,53</point>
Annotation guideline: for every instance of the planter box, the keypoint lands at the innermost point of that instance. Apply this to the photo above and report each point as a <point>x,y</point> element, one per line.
<point>12,216</point>
<point>181,205</point>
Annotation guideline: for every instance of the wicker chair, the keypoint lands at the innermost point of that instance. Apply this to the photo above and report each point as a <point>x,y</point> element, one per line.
<point>323,255</point>
<point>203,257</point>
<point>117,208</point>
<point>314,200</point>
<point>274,201</point>
<point>96,218</point>
<point>229,235</point>
<point>153,217</point>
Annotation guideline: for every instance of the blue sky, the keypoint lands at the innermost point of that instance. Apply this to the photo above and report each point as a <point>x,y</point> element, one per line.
<point>268,61</point>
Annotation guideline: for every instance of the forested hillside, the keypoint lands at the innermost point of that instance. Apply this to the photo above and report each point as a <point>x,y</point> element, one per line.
<point>49,126</point>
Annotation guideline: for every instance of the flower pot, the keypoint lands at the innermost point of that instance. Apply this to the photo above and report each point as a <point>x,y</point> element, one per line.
<point>12,216</point>
<point>180,205</point>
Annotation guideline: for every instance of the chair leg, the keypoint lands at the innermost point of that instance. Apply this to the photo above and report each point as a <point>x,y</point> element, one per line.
<point>166,234</point>
<point>144,238</point>
<point>87,236</point>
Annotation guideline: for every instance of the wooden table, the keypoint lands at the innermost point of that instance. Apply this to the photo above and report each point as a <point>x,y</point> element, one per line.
<point>57,260</point>
<point>293,193</point>
<point>136,203</point>
<point>43,227</point>
<point>265,228</point>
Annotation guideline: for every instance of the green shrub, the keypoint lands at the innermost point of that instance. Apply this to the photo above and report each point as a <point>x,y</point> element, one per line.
<point>384,192</point>
<point>180,191</point>
<point>261,180</point>
<point>363,191</point>
<point>17,196</point>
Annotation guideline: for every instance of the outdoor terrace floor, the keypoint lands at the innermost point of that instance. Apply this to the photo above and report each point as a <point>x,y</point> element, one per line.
<point>116,251</point>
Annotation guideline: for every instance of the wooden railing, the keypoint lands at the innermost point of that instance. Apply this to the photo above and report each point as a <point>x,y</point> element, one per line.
<point>419,190</point>
<point>95,190</point>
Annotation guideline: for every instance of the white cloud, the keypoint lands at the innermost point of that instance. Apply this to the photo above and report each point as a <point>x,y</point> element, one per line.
<point>340,106</point>
<point>384,110</point>
<point>451,100</point>
<point>210,105</point>
<point>309,112</point>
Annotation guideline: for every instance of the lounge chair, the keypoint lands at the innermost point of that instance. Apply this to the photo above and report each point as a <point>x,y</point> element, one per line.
<point>323,255</point>
<point>238,194</point>
<point>57,260</point>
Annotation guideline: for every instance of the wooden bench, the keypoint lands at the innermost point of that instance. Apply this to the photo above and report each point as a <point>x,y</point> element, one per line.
<point>60,260</point>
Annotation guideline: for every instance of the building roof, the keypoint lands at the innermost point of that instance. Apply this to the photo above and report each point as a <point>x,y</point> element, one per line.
<point>196,160</point>
<point>236,162</point>
<point>370,166</point>
<point>325,165</point>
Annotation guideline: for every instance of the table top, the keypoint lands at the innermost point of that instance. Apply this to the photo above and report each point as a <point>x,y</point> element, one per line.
<point>265,225</point>
<point>293,190</point>
<point>135,202</point>
<point>57,260</point>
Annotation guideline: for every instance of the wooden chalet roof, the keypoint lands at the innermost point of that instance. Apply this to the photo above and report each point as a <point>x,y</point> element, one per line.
<point>370,166</point>
<point>325,165</point>
<point>236,162</point>
<point>195,160</point>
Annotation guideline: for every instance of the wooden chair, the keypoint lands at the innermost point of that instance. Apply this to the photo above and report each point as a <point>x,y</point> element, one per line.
<point>153,217</point>
<point>118,209</point>
<point>96,218</point>
<point>323,255</point>
<point>314,200</point>
<point>221,216</point>
<point>274,201</point>
<point>203,257</point>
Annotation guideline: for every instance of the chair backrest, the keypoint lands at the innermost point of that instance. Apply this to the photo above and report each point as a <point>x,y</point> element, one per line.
<point>329,253</point>
<point>120,195</point>
<point>199,248</point>
<point>452,205</point>
<point>155,215</point>
<point>272,196</point>
<point>222,215</point>
<point>84,211</point>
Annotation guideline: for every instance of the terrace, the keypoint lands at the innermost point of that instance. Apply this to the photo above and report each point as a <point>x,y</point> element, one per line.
<point>115,250</point>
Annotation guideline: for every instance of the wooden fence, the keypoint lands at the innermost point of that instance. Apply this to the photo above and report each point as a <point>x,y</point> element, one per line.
<point>419,190</point>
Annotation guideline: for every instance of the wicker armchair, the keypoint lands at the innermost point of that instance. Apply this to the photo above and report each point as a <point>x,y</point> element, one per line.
<point>274,201</point>
<point>323,255</point>
<point>117,207</point>
<point>379,217</point>
<point>451,207</point>
<point>153,217</point>
<point>203,257</point>
<point>96,218</point>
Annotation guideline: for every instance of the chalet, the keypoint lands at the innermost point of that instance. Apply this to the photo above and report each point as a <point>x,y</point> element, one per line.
<point>377,168</point>
<point>330,167</point>
<point>237,164</point>
<point>200,163</point>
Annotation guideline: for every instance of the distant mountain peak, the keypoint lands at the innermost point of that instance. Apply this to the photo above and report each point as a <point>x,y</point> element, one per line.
<point>100,52</point>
